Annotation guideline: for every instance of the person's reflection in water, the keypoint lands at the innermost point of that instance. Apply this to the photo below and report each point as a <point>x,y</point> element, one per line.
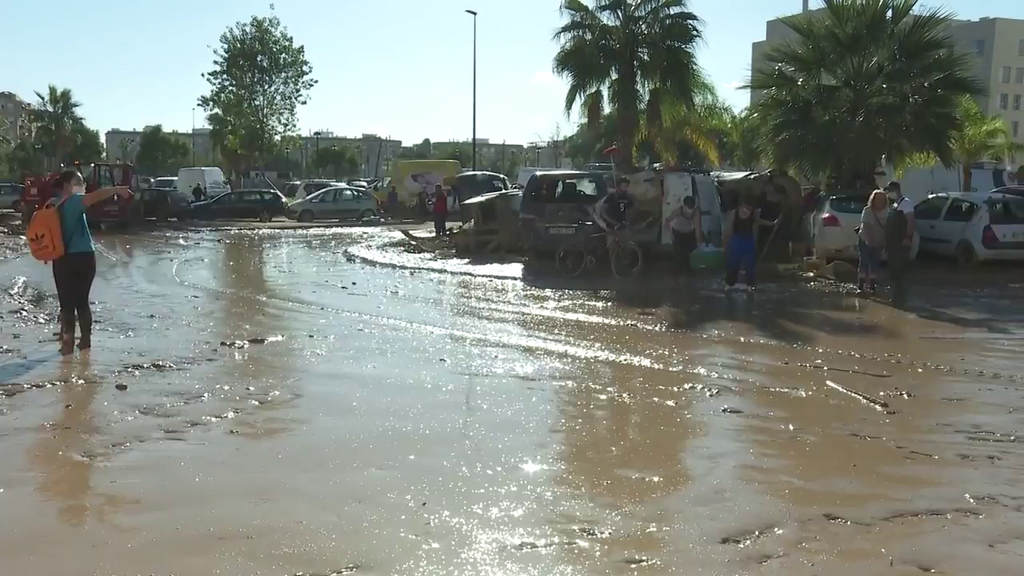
<point>61,457</point>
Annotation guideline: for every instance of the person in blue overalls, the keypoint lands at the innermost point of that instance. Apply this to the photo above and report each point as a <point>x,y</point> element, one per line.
<point>740,236</point>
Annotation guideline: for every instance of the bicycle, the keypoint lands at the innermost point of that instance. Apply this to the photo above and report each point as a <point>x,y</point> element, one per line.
<point>624,255</point>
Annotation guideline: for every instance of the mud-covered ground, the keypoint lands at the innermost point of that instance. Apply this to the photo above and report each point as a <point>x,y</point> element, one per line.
<point>320,402</point>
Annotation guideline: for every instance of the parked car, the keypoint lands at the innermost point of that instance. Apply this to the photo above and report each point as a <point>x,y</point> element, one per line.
<point>239,204</point>
<point>309,187</point>
<point>833,223</point>
<point>291,188</point>
<point>10,196</point>
<point>335,203</point>
<point>165,183</point>
<point>1011,190</point>
<point>557,206</point>
<point>162,204</point>
<point>972,227</point>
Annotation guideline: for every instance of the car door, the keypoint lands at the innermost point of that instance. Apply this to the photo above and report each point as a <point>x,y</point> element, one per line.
<point>927,215</point>
<point>348,204</point>
<point>325,204</point>
<point>950,229</point>
<point>225,205</point>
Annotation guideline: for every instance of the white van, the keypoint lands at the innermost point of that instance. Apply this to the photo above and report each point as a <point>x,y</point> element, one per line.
<point>211,180</point>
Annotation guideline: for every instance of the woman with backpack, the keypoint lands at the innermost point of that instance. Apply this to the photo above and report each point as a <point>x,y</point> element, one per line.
<point>75,267</point>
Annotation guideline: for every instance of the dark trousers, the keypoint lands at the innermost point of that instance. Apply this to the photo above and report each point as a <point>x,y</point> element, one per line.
<point>899,262</point>
<point>683,244</point>
<point>742,255</point>
<point>440,224</point>
<point>73,275</point>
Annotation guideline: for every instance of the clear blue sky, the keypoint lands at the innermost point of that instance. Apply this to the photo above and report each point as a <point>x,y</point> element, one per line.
<point>393,67</point>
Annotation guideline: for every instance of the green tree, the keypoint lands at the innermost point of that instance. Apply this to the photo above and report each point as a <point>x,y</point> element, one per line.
<point>458,152</point>
<point>342,160</point>
<point>260,78</point>
<point>160,153</point>
<point>637,56</point>
<point>978,138</point>
<point>55,118</point>
<point>860,80</point>
<point>422,151</point>
<point>86,145</point>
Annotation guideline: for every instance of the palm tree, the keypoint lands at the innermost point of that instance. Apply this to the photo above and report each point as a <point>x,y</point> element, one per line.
<point>55,118</point>
<point>636,55</point>
<point>979,138</point>
<point>862,79</point>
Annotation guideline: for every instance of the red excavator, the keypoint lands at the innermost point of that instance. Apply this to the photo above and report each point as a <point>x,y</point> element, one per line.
<point>39,190</point>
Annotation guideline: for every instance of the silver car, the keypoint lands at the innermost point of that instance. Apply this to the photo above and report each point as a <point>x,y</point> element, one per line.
<point>334,203</point>
<point>10,196</point>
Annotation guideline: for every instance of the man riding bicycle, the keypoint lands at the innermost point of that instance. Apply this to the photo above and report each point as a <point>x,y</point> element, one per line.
<point>612,212</point>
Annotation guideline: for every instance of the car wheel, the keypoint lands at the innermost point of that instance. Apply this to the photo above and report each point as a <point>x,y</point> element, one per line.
<point>367,214</point>
<point>163,215</point>
<point>965,254</point>
<point>306,216</point>
<point>16,206</point>
<point>265,216</point>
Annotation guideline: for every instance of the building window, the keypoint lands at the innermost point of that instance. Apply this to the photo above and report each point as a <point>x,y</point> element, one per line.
<point>1020,47</point>
<point>1020,76</point>
<point>1016,101</point>
<point>1016,128</point>
<point>1004,101</point>
<point>1006,71</point>
<point>979,47</point>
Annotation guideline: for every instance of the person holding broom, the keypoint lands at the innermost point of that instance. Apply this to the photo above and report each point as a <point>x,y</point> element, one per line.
<point>740,242</point>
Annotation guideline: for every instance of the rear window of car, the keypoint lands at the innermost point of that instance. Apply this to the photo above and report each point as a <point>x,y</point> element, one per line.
<point>1005,211</point>
<point>568,190</point>
<point>847,204</point>
<point>163,183</point>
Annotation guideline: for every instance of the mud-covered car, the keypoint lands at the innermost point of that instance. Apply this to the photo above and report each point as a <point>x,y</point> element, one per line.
<point>558,206</point>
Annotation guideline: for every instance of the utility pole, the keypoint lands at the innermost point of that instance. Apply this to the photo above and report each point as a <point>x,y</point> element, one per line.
<point>474,14</point>
<point>193,136</point>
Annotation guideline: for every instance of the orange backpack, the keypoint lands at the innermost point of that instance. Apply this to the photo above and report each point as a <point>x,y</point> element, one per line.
<point>45,239</point>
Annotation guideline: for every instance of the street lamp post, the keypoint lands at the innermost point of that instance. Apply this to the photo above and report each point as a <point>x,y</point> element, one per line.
<point>474,14</point>
<point>193,136</point>
<point>316,158</point>
<point>334,160</point>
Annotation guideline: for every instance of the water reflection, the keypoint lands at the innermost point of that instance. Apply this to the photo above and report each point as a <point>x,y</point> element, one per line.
<point>64,457</point>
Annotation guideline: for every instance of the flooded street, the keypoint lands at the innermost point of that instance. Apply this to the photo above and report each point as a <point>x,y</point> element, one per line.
<point>319,402</point>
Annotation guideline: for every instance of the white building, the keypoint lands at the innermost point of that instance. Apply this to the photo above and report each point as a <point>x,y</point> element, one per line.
<point>996,46</point>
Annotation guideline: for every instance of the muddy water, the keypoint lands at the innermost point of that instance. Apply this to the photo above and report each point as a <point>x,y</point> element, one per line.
<point>399,414</point>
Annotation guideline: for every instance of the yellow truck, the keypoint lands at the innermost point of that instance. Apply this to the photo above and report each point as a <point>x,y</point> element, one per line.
<point>412,176</point>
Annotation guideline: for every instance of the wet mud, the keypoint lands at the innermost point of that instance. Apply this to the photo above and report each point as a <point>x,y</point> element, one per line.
<point>325,402</point>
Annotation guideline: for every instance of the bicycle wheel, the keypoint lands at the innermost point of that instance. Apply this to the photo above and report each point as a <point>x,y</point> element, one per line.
<point>627,260</point>
<point>571,259</point>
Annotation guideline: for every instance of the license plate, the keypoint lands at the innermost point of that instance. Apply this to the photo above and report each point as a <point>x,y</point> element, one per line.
<point>1017,236</point>
<point>562,231</point>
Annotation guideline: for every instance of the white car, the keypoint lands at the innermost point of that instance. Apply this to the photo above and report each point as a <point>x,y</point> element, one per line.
<point>972,226</point>
<point>832,227</point>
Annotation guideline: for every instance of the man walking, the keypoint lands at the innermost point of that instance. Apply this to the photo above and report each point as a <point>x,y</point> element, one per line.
<point>899,236</point>
<point>440,211</point>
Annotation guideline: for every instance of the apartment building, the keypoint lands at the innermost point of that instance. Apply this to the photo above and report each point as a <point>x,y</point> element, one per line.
<point>123,145</point>
<point>489,155</point>
<point>14,123</point>
<point>996,46</point>
<point>376,153</point>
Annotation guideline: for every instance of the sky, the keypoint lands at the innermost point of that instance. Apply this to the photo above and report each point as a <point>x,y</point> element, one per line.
<point>398,68</point>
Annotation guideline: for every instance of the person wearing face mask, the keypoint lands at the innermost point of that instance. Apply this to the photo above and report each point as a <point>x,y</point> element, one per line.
<point>73,273</point>
<point>899,235</point>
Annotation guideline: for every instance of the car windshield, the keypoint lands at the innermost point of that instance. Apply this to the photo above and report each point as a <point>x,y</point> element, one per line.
<point>847,204</point>
<point>164,183</point>
<point>1005,211</point>
<point>568,189</point>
